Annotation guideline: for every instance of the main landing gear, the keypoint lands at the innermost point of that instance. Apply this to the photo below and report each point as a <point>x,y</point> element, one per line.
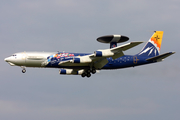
<point>88,73</point>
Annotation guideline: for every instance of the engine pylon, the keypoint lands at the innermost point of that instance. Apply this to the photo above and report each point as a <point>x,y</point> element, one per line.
<point>112,39</point>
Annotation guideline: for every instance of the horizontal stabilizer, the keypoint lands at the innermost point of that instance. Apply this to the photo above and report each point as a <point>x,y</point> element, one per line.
<point>160,57</point>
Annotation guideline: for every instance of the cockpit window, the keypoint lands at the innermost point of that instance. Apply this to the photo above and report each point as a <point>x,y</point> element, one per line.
<point>14,55</point>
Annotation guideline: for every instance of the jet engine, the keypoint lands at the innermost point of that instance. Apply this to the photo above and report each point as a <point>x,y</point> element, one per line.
<point>66,71</point>
<point>70,72</point>
<point>103,53</point>
<point>82,59</point>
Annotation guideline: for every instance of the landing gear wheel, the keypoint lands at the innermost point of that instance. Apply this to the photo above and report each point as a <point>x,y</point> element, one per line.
<point>89,75</point>
<point>88,71</point>
<point>23,70</point>
<point>93,71</point>
<point>83,75</point>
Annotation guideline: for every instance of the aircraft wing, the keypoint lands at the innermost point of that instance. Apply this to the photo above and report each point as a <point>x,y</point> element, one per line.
<point>99,58</point>
<point>126,46</point>
<point>115,52</point>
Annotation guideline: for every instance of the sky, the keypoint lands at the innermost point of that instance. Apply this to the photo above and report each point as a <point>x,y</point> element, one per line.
<point>144,92</point>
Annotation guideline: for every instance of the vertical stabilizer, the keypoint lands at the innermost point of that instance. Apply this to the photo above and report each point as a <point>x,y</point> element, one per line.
<point>153,46</point>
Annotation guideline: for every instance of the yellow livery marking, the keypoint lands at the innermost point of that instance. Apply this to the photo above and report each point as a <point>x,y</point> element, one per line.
<point>157,38</point>
<point>135,60</point>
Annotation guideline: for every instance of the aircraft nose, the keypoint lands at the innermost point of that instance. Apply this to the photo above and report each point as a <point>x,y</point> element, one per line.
<point>6,59</point>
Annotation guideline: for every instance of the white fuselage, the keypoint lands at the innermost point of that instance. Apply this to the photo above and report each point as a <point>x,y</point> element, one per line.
<point>28,59</point>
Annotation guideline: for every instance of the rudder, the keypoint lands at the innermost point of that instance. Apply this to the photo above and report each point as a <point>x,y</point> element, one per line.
<point>153,46</point>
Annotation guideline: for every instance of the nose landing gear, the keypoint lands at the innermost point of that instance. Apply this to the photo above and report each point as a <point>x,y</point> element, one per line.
<point>23,69</point>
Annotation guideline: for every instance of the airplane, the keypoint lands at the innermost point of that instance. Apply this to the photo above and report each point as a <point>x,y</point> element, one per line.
<point>85,64</point>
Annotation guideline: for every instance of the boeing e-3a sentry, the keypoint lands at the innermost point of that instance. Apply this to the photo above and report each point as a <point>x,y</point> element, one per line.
<point>84,64</point>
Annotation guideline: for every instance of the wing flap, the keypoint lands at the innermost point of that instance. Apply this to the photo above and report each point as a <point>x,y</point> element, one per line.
<point>117,55</point>
<point>100,63</point>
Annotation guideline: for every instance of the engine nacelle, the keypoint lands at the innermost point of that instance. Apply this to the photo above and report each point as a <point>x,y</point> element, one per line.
<point>66,71</point>
<point>70,72</point>
<point>82,59</point>
<point>103,53</point>
<point>76,60</point>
